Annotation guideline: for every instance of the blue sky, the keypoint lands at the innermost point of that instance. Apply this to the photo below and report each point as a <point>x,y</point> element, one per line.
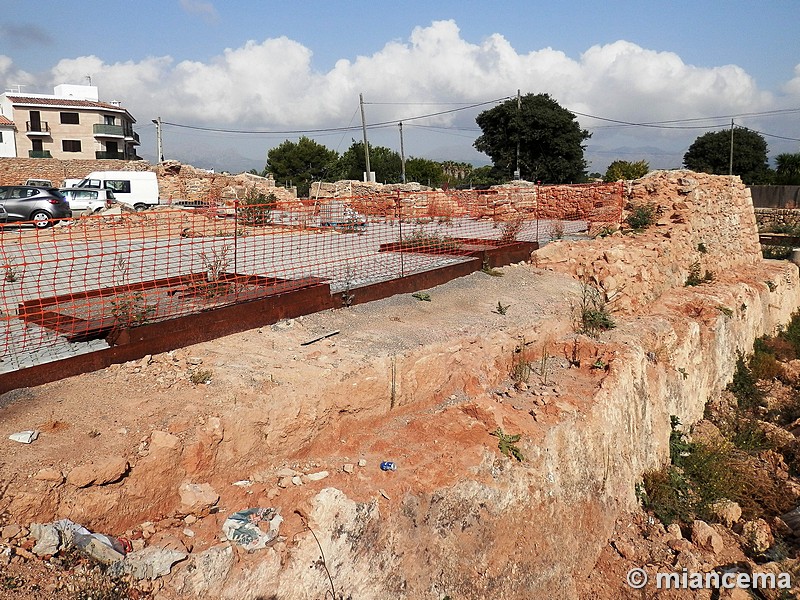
<point>281,66</point>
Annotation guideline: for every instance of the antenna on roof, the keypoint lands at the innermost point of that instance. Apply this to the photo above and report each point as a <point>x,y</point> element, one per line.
<point>16,85</point>
<point>89,79</point>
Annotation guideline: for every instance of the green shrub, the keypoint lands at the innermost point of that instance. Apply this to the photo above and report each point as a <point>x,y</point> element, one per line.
<point>744,386</point>
<point>792,333</point>
<point>695,278</point>
<point>256,208</point>
<point>641,216</point>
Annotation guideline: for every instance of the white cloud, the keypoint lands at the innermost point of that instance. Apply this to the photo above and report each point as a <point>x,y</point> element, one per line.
<point>271,84</point>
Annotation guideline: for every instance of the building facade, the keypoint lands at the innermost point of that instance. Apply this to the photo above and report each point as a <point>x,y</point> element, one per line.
<point>70,124</point>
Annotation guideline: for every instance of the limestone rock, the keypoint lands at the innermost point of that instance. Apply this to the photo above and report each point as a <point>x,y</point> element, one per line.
<point>316,476</point>
<point>726,512</point>
<point>49,474</point>
<point>757,535</point>
<point>149,563</point>
<point>704,536</point>
<point>48,539</point>
<point>197,498</point>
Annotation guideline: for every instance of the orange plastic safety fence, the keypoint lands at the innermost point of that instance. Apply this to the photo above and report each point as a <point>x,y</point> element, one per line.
<point>69,288</point>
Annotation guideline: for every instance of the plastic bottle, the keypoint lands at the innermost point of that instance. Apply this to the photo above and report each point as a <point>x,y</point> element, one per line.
<point>388,466</point>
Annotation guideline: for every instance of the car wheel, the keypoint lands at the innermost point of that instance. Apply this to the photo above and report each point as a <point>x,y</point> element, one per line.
<point>41,219</point>
<point>140,207</point>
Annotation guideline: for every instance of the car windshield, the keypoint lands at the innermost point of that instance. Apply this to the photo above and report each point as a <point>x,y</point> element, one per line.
<point>56,193</point>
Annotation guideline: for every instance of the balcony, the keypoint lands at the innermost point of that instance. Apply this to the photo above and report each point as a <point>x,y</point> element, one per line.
<point>39,154</point>
<point>132,137</point>
<point>109,155</point>
<point>108,131</point>
<point>42,128</point>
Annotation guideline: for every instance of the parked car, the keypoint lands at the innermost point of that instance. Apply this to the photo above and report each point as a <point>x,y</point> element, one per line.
<point>83,199</point>
<point>39,183</point>
<point>138,189</point>
<point>42,205</point>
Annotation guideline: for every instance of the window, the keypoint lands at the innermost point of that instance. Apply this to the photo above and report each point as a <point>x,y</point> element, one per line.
<point>71,145</point>
<point>122,186</point>
<point>69,118</point>
<point>110,120</point>
<point>1,137</point>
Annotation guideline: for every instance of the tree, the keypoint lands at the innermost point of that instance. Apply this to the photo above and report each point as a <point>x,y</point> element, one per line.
<point>550,140</point>
<point>788,169</point>
<point>302,163</point>
<point>386,163</point>
<point>711,153</point>
<point>623,169</point>
<point>424,171</point>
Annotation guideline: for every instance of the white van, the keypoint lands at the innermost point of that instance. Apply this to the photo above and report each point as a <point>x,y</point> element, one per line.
<point>138,189</point>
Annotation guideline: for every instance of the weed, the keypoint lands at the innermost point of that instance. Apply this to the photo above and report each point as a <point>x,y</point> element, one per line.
<point>765,366</point>
<point>592,314</point>
<point>511,229</point>
<point>507,444</point>
<point>520,366</point>
<point>10,273</point>
<point>599,364</point>
<point>131,309</point>
<point>699,474</point>
<point>606,231</point>
<point>199,376</point>
<point>256,208</point>
<point>694,278</point>
<point>422,240</point>
<point>701,248</point>
<point>422,296</point>
<point>749,436</point>
<point>557,230</point>
<point>771,286</point>
<point>216,265</point>
<point>744,386</point>
<point>501,309</point>
<point>489,270</point>
<point>543,363</point>
<point>641,216</point>
<point>683,373</point>
<point>725,311</point>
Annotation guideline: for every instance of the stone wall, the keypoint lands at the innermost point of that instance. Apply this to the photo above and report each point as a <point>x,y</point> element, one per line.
<point>595,203</point>
<point>175,181</point>
<point>768,218</point>
<point>704,219</point>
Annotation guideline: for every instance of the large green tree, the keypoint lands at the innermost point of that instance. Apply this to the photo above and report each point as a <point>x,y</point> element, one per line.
<point>623,169</point>
<point>301,163</point>
<point>386,163</point>
<point>425,171</point>
<point>549,138</point>
<point>788,169</point>
<point>711,153</point>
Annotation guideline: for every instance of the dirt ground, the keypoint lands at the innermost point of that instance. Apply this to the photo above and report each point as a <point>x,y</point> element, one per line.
<point>433,438</point>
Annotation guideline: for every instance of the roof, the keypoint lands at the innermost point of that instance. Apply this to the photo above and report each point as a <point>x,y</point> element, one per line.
<point>64,102</point>
<point>5,121</point>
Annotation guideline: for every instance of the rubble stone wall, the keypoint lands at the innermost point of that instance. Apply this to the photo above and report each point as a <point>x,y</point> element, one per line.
<point>767,218</point>
<point>703,219</point>
<point>175,181</point>
<point>596,203</point>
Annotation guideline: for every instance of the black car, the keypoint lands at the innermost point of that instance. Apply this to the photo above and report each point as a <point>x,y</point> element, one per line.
<point>44,206</point>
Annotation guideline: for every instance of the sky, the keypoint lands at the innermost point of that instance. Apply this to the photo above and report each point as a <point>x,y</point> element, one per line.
<point>644,78</point>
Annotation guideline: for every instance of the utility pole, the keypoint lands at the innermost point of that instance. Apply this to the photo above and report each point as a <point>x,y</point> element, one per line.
<point>519,111</point>
<point>402,154</point>
<point>730,168</point>
<point>160,147</point>
<point>364,129</point>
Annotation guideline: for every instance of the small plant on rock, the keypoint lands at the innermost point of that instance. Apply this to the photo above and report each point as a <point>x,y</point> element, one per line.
<point>695,278</point>
<point>507,444</point>
<point>592,312</point>
<point>201,376</point>
<point>501,309</point>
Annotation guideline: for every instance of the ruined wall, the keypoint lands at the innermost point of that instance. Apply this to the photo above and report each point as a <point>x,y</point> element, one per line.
<point>175,181</point>
<point>767,218</point>
<point>704,219</point>
<point>596,203</point>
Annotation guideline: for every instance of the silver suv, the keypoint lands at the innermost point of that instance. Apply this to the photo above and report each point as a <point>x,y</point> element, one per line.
<point>44,206</point>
